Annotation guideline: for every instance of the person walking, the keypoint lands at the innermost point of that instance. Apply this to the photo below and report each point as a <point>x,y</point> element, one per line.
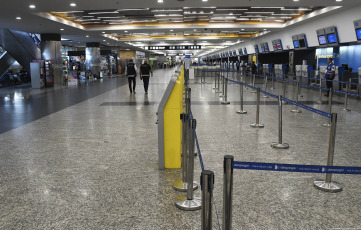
<point>131,73</point>
<point>145,73</point>
<point>330,75</point>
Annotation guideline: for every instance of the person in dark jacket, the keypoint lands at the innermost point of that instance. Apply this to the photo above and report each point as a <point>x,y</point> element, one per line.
<point>145,73</point>
<point>131,73</point>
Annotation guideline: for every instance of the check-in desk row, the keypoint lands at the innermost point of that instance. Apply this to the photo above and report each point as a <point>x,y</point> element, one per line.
<point>304,72</point>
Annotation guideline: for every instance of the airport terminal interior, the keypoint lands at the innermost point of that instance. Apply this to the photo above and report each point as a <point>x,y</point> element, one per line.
<point>274,83</point>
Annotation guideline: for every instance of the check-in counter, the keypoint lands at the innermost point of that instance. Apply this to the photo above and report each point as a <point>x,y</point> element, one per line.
<point>265,68</point>
<point>298,70</point>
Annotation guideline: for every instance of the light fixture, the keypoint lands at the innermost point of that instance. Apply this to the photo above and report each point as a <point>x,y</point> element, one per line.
<point>18,18</point>
<point>103,32</point>
<point>160,1</point>
<point>32,6</point>
<point>204,0</point>
<point>61,29</point>
<point>87,36</point>
<point>171,30</point>
<point>103,40</point>
<point>126,31</point>
<point>73,4</point>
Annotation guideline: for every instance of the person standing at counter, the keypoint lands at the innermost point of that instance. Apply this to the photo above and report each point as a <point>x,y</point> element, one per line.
<point>253,67</point>
<point>330,75</point>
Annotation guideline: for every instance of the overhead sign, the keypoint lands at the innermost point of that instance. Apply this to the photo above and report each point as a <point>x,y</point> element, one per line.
<point>174,47</point>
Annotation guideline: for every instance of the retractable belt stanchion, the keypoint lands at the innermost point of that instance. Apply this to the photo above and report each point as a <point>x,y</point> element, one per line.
<point>279,144</point>
<point>218,82</point>
<point>225,102</point>
<point>265,87</point>
<point>215,80</point>
<point>328,124</point>
<point>223,77</point>
<point>273,84</point>
<point>346,96</point>
<point>257,124</point>
<point>253,83</point>
<point>296,110</point>
<point>241,95</point>
<point>189,202</point>
<point>320,101</point>
<point>328,185</point>
<point>204,75</point>
<point>207,185</point>
<point>227,192</point>
<point>284,91</point>
<point>182,184</point>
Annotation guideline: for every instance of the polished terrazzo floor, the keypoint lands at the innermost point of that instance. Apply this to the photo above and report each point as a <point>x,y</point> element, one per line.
<point>92,163</point>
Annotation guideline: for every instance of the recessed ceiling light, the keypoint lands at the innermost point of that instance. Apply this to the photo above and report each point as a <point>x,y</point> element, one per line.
<point>126,31</point>
<point>338,0</point>
<point>160,1</point>
<point>32,6</point>
<point>61,29</point>
<point>18,18</point>
<point>103,40</point>
<point>204,0</point>
<point>103,32</point>
<point>73,4</point>
<point>87,36</point>
<point>264,29</point>
<point>242,29</point>
<point>171,30</point>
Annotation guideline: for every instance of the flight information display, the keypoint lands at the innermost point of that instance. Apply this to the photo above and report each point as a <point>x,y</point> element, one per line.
<point>358,34</point>
<point>322,40</point>
<point>331,38</point>
<point>296,44</point>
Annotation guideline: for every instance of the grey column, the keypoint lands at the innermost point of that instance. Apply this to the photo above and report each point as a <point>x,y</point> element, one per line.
<point>51,50</point>
<point>92,55</point>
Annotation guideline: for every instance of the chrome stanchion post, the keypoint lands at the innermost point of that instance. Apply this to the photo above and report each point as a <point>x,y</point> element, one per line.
<point>265,87</point>
<point>328,185</point>
<point>296,110</point>
<point>218,81</point>
<point>320,101</point>
<point>257,124</point>
<point>189,202</point>
<point>225,102</point>
<point>223,85</point>
<point>273,84</point>
<point>346,96</point>
<point>284,90</point>
<point>215,81</point>
<point>328,124</point>
<point>241,94</point>
<point>227,192</point>
<point>204,75</point>
<point>207,185</point>
<point>280,144</point>
<point>253,83</point>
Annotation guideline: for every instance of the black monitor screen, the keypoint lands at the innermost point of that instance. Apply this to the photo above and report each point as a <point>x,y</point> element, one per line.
<point>358,34</point>
<point>256,49</point>
<point>302,43</point>
<point>331,38</point>
<point>296,44</point>
<point>322,40</point>
<point>262,49</point>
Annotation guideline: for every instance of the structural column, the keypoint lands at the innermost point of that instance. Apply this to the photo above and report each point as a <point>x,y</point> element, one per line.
<point>92,55</point>
<point>51,50</point>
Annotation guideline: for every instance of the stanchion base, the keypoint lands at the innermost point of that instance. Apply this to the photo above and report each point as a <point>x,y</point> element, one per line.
<point>241,112</point>
<point>225,102</point>
<point>296,111</point>
<point>265,96</point>
<point>346,110</point>
<point>327,187</point>
<point>218,92</point>
<point>284,102</point>
<point>221,96</point>
<point>195,154</point>
<point>181,202</point>
<point>253,91</point>
<point>326,125</point>
<point>257,125</point>
<point>179,186</point>
<point>214,88</point>
<point>277,145</point>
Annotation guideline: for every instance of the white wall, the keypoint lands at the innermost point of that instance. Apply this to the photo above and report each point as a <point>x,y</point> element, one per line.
<point>342,19</point>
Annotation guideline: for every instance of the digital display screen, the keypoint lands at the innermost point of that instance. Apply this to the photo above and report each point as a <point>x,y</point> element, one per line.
<point>358,34</point>
<point>256,49</point>
<point>266,48</point>
<point>274,47</point>
<point>279,47</point>
<point>302,43</point>
<point>262,49</point>
<point>240,52</point>
<point>322,40</point>
<point>331,38</point>
<point>296,44</point>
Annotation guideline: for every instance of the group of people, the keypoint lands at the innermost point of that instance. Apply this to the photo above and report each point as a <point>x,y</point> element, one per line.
<point>131,72</point>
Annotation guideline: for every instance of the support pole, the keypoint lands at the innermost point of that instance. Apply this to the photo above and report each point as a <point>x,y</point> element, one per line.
<point>215,80</point>
<point>218,80</point>
<point>346,96</point>
<point>296,110</point>
<point>257,124</point>
<point>253,83</point>
<point>280,144</point>
<point>207,185</point>
<point>241,94</point>
<point>265,87</point>
<point>320,101</point>
<point>189,202</point>
<point>227,192</point>
<point>328,185</point>
<point>225,102</point>
<point>328,124</point>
